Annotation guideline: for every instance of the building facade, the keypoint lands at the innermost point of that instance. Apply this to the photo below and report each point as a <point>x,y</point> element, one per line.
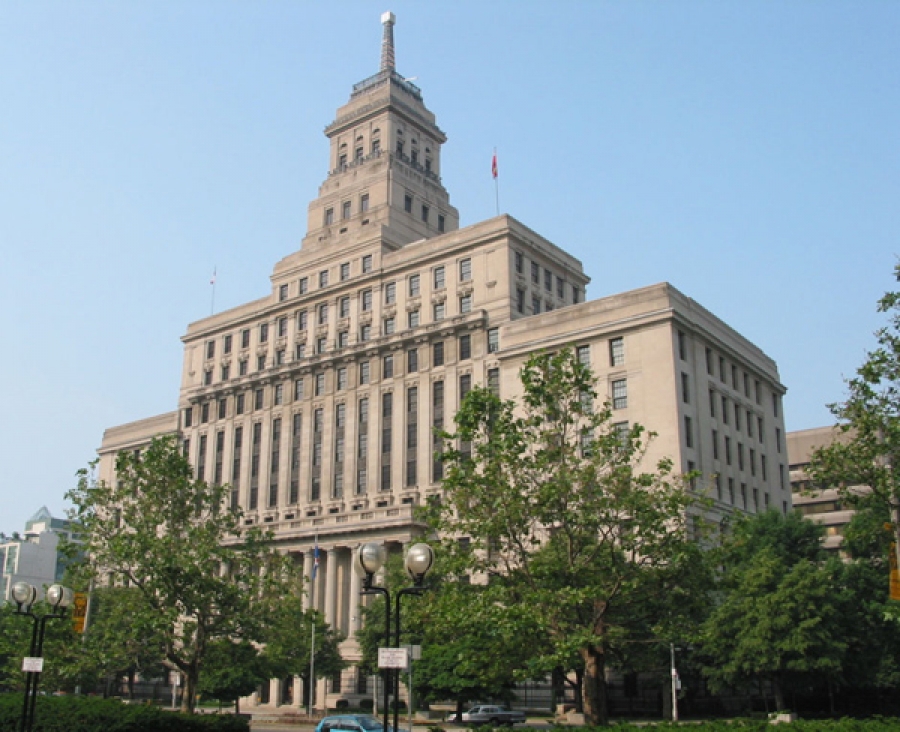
<point>318,403</point>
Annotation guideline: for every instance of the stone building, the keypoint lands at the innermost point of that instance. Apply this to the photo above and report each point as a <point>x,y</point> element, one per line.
<point>318,402</point>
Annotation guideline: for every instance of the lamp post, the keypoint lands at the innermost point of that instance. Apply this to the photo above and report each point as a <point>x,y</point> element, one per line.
<point>370,558</point>
<point>59,598</point>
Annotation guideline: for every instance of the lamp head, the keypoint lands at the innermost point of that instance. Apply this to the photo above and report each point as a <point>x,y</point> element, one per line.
<point>419,559</point>
<point>24,595</point>
<point>371,557</point>
<point>59,597</point>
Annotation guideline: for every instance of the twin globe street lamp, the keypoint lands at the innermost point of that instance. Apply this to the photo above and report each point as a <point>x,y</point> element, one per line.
<point>24,595</point>
<point>370,558</point>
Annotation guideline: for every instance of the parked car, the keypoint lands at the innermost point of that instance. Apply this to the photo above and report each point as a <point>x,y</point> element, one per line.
<point>351,723</point>
<point>492,714</point>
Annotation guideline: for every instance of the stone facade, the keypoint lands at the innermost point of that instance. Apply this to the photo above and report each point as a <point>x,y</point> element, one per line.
<point>317,403</point>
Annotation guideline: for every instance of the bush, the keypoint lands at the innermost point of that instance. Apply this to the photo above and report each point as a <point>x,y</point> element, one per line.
<point>366,705</point>
<point>85,714</point>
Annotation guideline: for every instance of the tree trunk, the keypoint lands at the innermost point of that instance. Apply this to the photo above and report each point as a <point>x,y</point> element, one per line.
<point>779,695</point>
<point>189,690</point>
<point>237,706</point>
<point>593,683</point>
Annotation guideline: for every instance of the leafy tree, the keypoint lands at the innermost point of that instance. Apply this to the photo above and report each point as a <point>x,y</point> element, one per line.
<point>200,574</point>
<point>232,670</point>
<point>779,618</point>
<point>288,638</point>
<point>869,420</point>
<point>563,522</point>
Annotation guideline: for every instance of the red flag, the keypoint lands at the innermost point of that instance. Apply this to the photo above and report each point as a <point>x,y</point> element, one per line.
<point>494,165</point>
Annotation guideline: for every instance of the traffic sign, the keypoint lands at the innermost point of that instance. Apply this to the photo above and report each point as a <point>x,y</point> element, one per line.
<point>392,658</point>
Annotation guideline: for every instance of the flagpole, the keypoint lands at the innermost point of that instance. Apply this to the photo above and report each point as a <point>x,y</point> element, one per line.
<point>496,181</point>
<point>212,304</point>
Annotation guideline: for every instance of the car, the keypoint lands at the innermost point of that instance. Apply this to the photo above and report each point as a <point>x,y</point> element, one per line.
<point>351,723</point>
<point>492,714</point>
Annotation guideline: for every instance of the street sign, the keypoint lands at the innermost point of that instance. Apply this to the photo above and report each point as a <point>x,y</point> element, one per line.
<point>392,658</point>
<point>32,664</point>
<point>79,611</point>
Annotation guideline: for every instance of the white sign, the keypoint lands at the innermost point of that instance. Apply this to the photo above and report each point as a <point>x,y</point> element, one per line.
<point>32,664</point>
<point>392,658</point>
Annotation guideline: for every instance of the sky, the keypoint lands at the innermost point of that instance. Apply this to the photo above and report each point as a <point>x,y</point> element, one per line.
<point>745,152</point>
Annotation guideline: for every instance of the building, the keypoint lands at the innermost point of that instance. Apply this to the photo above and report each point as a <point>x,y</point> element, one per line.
<point>318,402</point>
<point>822,505</point>
<point>34,555</point>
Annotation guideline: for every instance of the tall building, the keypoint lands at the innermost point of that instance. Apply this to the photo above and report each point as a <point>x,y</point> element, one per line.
<point>34,555</point>
<point>318,402</point>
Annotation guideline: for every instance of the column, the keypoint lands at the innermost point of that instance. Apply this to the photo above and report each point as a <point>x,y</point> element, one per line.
<point>355,598</point>
<point>297,701</point>
<point>275,692</point>
<point>331,588</point>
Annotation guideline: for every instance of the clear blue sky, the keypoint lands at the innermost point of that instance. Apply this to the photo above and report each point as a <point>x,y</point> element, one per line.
<point>745,152</point>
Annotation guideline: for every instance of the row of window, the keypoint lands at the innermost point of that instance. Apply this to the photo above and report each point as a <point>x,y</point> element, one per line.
<point>424,212</point>
<point>548,282</point>
<point>346,209</point>
<point>748,500</point>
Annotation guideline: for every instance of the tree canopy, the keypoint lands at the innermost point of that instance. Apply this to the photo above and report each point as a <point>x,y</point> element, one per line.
<point>201,575</point>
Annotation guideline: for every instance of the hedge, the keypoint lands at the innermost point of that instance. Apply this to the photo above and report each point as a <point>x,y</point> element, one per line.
<point>87,714</point>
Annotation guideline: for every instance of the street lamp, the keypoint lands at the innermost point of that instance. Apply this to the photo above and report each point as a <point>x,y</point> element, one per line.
<point>24,595</point>
<point>419,560</point>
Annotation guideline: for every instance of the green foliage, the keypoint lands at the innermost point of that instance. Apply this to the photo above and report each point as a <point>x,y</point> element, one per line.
<point>779,618</point>
<point>200,574</point>
<point>85,714</point>
<point>564,522</point>
<point>232,670</point>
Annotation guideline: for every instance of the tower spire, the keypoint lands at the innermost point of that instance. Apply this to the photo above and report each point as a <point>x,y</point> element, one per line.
<point>387,41</point>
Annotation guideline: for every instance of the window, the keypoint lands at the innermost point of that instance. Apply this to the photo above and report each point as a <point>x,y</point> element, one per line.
<point>188,416</point>
<point>686,389</point>
<point>412,360</point>
<point>709,361</point>
<point>207,377</point>
<point>520,262</point>
<point>365,332</point>
<point>376,146</point>
<point>749,423</point>
<point>620,394</point>
<point>535,305</point>
<point>298,389</point>
<point>465,386</point>
<point>520,300</point>
<point>343,339</point>
<point>282,293</point>
<point>299,351</point>
<point>279,356</point>
<point>258,397</point>
<point>438,278</point>
<point>243,367</point>
<point>388,326</point>
<point>439,311</point>
<point>210,349</point>
<point>465,270</point>
<point>245,338</point>
<point>345,271</point>
<point>465,347</point>
<point>548,280</point>
<point>226,346</point>
<point>688,432</point>
<point>364,373</point>
<point>535,273</point>
<point>263,332</point>
<point>724,410</point>
<point>712,404</point>
<point>493,381</point>
<point>424,213</point>
<point>737,417</point>
<point>616,351</point>
<point>493,344</point>
<point>323,314</point>
<point>727,450</point>
<point>560,289</point>
<point>342,378</point>
<point>366,300</point>
<point>304,285</point>
<point>329,216</point>
<point>413,318</point>
<point>778,439</point>
<point>465,304</point>
<point>715,444</point>
<point>345,210</point>
<point>682,346</point>
<point>321,344</point>
<point>358,155</point>
<point>320,385</point>
<point>239,404</point>
<point>364,203</point>
<point>442,223</point>
<point>722,369</point>
<point>775,404</point>
<point>301,320</point>
<point>278,395</point>
<point>583,354</point>
<point>413,285</point>
<point>734,376</point>
<point>437,354</point>
<point>576,294</point>
<point>387,366</point>
<point>260,362</point>
<point>367,259</point>
<point>390,293</point>
<point>344,307</point>
<point>407,199</point>
<point>323,278</point>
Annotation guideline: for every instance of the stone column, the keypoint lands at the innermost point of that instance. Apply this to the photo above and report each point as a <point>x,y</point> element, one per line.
<point>297,701</point>
<point>330,586</point>
<point>275,692</point>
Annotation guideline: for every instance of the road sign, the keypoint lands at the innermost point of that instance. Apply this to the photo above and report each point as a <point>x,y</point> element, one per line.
<point>79,611</point>
<point>33,664</point>
<point>392,658</point>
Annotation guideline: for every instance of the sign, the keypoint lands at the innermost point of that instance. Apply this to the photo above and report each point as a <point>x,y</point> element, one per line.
<point>392,658</point>
<point>32,664</point>
<point>79,611</point>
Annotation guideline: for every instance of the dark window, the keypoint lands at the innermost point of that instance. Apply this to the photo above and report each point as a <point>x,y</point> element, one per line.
<point>465,347</point>
<point>437,351</point>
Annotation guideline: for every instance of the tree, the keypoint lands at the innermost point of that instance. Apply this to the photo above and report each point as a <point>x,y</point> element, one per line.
<point>288,638</point>
<point>232,669</point>
<point>779,617</point>
<point>869,420</point>
<point>200,574</point>
<point>563,522</point>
